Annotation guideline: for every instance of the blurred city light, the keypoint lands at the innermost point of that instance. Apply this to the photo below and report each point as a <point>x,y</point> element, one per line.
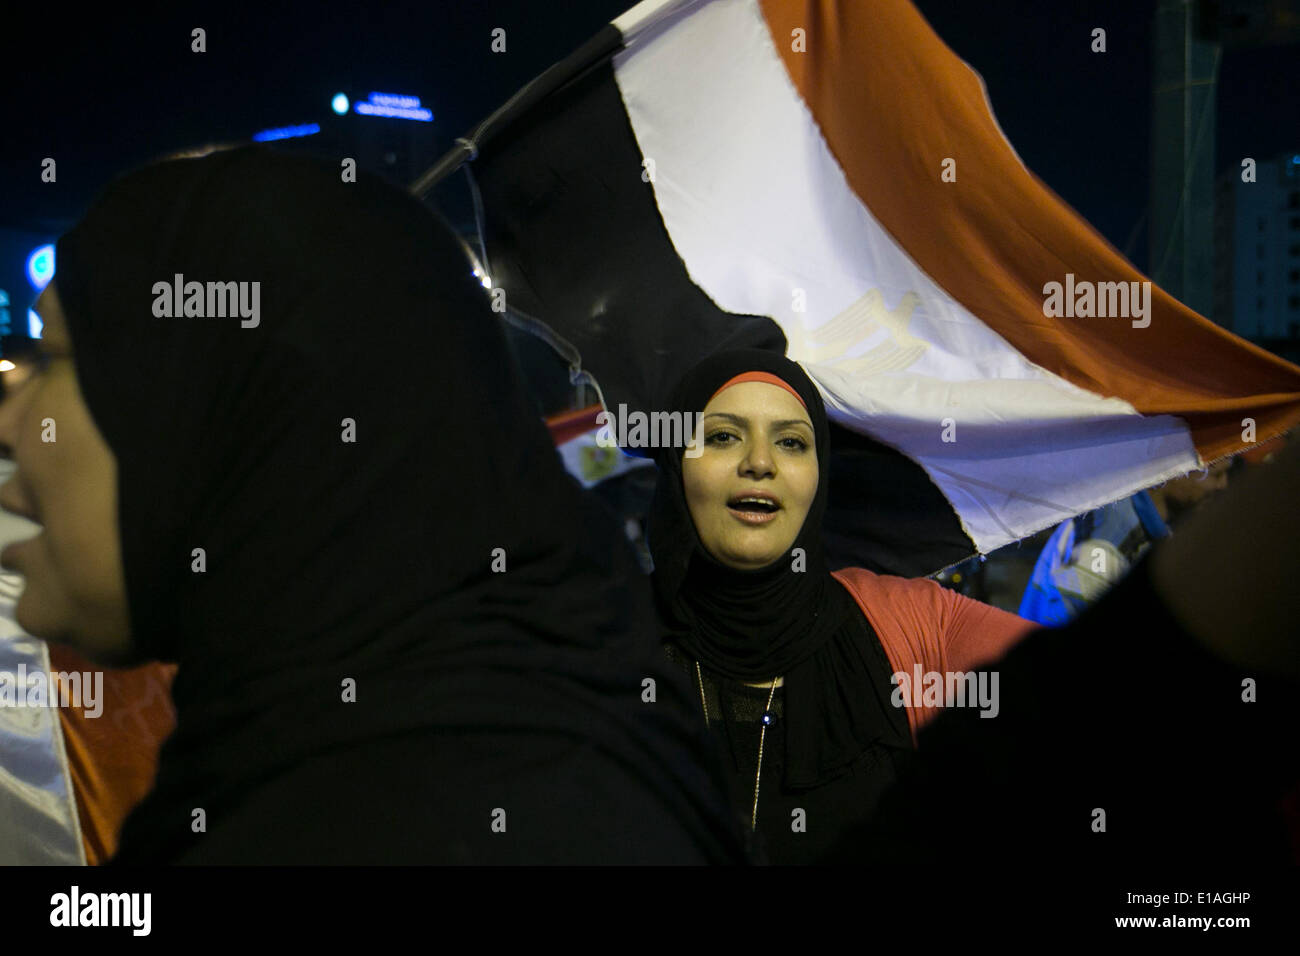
<point>286,132</point>
<point>40,266</point>
<point>396,106</point>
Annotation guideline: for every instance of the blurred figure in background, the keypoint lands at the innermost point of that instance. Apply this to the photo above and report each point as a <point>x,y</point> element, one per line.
<point>69,775</point>
<point>38,815</point>
<point>1086,555</point>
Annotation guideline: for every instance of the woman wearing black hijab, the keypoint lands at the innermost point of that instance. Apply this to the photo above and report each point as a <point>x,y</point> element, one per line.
<point>404,634</point>
<point>792,664</point>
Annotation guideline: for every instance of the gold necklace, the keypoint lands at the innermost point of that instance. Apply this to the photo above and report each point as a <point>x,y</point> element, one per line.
<point>762,734</point>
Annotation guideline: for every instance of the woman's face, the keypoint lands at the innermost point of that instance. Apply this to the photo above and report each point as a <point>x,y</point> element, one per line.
<point>64,478</point>
<point>758,442</point>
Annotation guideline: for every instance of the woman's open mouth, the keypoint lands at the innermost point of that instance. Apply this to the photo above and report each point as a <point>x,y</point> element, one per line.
<point>754,508</point>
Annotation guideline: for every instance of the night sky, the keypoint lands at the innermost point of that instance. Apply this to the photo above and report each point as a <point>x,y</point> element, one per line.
<point>102,93</point>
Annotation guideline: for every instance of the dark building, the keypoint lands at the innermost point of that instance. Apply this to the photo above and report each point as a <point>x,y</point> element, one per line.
<point>1257,246</point>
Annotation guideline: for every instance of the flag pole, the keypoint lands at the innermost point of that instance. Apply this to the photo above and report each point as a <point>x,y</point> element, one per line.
<point>587,57</point>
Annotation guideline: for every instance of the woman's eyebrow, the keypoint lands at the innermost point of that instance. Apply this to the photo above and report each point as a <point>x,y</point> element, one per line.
<point>741,420</point>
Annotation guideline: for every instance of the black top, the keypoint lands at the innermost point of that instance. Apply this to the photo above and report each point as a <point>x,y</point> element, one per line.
<point>795,825</point>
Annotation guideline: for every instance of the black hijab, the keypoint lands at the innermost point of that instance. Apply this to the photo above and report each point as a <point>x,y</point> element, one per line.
<point>378,560</point>
<point>774,621</point>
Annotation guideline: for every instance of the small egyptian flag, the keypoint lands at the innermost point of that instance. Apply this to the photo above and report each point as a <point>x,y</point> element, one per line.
<point>583,450</point>
<point>828,179</point>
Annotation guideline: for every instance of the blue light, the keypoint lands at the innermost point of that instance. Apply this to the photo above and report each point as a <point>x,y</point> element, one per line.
<point>398,100</point>
<point>339,104</point>
<point>396,112</point>
<point>34,324</point>
<point>1296,160</point>
<point>396,106</point>
<point>40,266</point>
<point>286,132</point>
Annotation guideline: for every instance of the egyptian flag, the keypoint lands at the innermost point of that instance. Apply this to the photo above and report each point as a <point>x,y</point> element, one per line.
<point>828,179</point>
<point>577,439</point>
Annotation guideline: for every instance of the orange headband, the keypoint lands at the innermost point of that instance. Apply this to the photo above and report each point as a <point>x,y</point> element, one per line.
<point>766,377</point>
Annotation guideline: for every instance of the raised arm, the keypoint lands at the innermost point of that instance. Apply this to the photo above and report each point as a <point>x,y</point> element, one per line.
<point>974,633</point>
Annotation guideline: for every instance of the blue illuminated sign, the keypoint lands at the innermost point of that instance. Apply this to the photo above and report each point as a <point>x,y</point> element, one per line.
<point>396,106</point>
<point>398,100</point>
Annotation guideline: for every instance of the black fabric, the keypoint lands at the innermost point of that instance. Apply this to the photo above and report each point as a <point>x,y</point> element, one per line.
<point>372,561</point>
<point>785,619</point>
<point>1123,711</point>
<point>794,825</point>
<point>574,236</point>
<point>885,514</point>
